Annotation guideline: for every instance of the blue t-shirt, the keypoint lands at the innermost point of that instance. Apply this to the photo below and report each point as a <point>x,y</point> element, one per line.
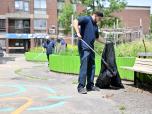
<point>88,31</point>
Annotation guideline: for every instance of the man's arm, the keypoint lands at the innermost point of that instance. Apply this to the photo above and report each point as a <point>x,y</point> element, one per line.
<point>76,27</point>
<point>99,39</point>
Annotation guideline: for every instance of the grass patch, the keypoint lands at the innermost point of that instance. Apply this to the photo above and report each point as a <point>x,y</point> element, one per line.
<point>18,71</point>
<point>122,107</point>
<point>75,82</point>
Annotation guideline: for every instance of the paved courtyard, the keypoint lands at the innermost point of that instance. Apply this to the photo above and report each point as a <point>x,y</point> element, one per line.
<point>30,88</point>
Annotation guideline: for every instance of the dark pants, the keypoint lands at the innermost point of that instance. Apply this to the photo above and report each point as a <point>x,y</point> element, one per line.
<point>48,58</point>
<point>87,69</point>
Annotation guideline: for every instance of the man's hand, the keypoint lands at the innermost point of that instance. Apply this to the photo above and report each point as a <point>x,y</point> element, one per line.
<point>79,36</point>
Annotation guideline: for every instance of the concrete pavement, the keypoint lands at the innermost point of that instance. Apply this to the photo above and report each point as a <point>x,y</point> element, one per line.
<point>29,88</point>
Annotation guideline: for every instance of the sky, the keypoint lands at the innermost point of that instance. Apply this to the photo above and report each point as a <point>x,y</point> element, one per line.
<point>140,3</point>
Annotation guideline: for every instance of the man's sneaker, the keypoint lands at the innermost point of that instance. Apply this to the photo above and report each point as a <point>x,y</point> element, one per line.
<point>94,88</point>
<point>82,91</point>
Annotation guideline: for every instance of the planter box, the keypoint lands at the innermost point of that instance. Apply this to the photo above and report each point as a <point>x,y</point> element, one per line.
<point>71,64</point>
<point>37,57</point>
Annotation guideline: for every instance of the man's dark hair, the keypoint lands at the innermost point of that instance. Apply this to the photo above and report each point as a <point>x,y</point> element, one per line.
<point>98,13</point>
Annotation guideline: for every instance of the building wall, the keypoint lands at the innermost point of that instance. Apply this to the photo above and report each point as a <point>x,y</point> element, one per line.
<point>4,6</point>
<point>7,11</point>
<point>52,12</point>
<point>131,17</point>
<point>7,6</point>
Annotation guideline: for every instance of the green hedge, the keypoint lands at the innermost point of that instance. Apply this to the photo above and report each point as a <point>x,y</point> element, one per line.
<point>71,64</point>
<point>38,57</point>
<point>68,64</point>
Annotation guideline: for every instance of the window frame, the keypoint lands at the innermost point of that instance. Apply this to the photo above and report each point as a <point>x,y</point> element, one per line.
<point>38,24</point>
<point>2,25</point>
<point>40,9</point>
<point>25,7</point>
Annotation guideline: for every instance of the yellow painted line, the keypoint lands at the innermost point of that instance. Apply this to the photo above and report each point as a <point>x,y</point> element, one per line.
<point>21,108</point>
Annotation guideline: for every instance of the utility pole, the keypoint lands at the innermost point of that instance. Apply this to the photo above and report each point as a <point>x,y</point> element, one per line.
<point>72,31</point>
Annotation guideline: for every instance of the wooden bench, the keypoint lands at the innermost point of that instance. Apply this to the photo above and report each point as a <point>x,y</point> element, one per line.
<point>144,54</point>
<point>141,66</point>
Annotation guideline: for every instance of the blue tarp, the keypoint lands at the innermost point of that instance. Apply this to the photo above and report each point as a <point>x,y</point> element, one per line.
<point>17,36</point>
<point>25,36</point>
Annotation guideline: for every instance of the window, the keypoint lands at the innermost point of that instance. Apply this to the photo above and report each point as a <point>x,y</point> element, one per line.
<point>43,4</point>
<point>26,6</point>
<point>18,5</point>
<point>26,24</point>
<point>18,24</point>
<point>40,24</point>
<point>39,11</point>
<point>21,5</point>
<point>2,25</point>
<point>40,6</point>
<point>37,4</point>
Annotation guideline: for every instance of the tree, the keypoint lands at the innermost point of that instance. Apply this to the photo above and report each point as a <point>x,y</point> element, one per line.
<point>65,17</point>
<point>107,7</point>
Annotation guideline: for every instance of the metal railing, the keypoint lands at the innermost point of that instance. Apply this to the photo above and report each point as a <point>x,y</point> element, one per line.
<point>14,29</point>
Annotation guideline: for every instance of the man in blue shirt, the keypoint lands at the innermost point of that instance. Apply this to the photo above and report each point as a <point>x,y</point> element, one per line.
<point>87,29</point>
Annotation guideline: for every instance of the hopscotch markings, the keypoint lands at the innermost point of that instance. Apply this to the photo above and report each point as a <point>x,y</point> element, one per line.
<point>47,106</point>
<point>21,108</point>
<point>20,90</point>
<point>27,106</point>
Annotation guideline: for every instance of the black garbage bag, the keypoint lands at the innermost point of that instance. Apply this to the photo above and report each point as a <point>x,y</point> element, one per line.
<point>109,75</point>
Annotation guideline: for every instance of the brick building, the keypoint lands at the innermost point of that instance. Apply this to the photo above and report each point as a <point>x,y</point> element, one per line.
<point>134,17</point>
<point>22,22</point>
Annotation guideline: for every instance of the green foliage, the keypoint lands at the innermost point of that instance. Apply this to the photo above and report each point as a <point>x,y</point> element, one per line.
<point>65,17</point>
<point>116,5</point>
<point>128,49</point>
<point>37,49</point>
<point>86,2</point>
<point>101,5</point>
<point>133,48</point>
<point>70,50</point>
<point>122,50</point>
<point>98,47</point>
<point>148,36</point>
